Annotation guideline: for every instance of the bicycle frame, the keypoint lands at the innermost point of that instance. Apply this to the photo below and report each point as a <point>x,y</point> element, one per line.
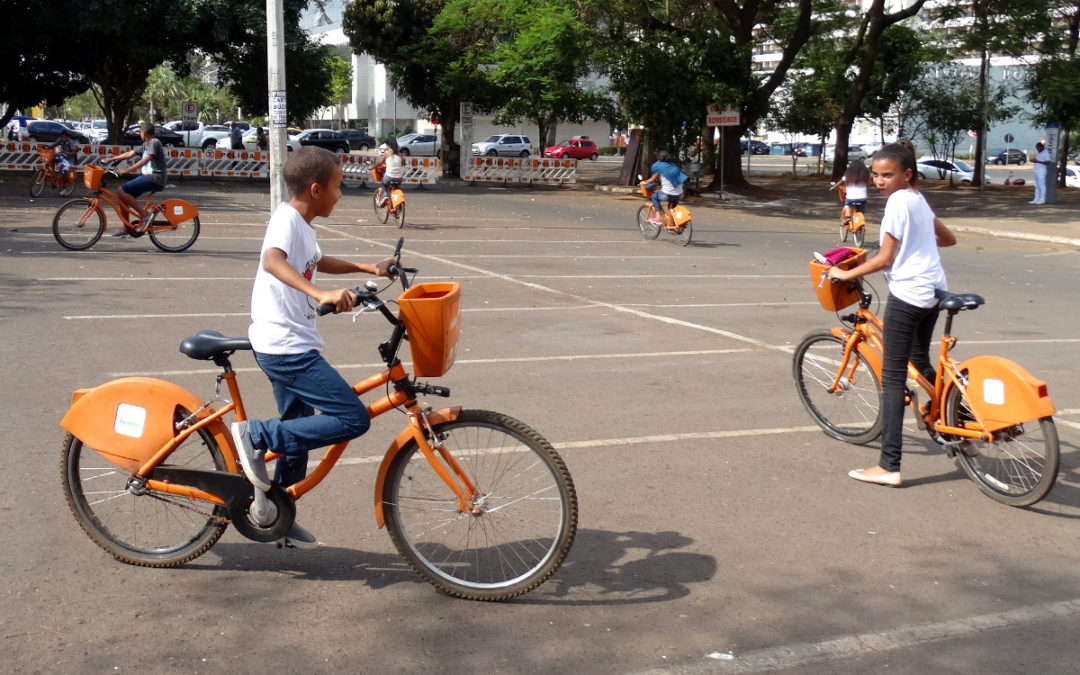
<point>1008,396</point>
<point>94,418</point>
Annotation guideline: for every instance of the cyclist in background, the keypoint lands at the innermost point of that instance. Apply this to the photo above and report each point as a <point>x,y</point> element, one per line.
<point>395,168</point>
<point>670,178</point>
<point>67,152</point>
<point>151,166</point>
<point>855,179</point>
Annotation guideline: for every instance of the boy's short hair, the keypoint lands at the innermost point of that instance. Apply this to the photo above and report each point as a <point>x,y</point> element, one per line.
<point>310,164</point>
<point>148,129</point>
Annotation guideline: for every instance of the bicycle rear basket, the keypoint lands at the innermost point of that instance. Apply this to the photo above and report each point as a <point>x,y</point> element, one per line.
<point>431,313</point>
<point>92,175</point>
<point>48,155</point>
<point>835,297</point>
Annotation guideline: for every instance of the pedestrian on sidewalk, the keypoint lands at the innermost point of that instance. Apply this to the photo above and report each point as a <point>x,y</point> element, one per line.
<point>1042,164</point>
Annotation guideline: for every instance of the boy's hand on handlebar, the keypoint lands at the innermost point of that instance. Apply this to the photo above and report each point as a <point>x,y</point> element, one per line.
<point>341,299</point>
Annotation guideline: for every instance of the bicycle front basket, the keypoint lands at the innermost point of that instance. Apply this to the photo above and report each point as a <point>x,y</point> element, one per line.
<point>431,314</point>
<point>48,155</point>
<point>835,297</point>
<point>92,175</point>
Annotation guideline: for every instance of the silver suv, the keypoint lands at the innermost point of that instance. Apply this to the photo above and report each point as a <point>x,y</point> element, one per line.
<point>503,145</point>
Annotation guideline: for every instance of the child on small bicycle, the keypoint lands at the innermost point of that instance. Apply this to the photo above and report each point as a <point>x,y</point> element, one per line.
<point>286,341</point>
<point>670,178</point>
<point>910,237</point>
<point>67,152</point>
<point>395,168</point>
<point>855,180</point>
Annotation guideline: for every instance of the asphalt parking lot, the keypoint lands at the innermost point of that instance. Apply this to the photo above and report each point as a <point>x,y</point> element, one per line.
<point>718,530</point>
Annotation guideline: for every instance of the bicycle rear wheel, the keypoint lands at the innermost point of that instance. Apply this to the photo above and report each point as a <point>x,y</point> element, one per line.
<point>844,232</point>
<point>137,525</point>
<point>399,215</point>
<point>649,229</point>
<point>1020,467</point>
<point>78,224</point>
<point>173,238</point>
<point>853,412</point>
<point>382,214</point>
<point>684,233</point>
<point>37,185</point>
<point>858,234</point>
<point>515,534</point>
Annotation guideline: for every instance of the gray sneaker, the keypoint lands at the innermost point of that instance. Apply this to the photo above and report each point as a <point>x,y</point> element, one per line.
<point>298,537</point>
<point>250,458</point>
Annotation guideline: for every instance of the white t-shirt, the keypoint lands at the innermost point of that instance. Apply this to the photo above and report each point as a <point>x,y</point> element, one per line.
<point>916,270</point>
<point>1043,156</point>
<point>855,191</point>
<point>667,187</point>
<point>395,167</point>
<point>283,318</point>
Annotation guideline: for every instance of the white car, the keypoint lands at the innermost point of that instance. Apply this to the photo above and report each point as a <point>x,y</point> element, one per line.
<point>426,145</point>
<point>931,168</point>
<point>503,145</point>
<point>853,152</point>
<point>98,131</point>
<point>1072,177</point>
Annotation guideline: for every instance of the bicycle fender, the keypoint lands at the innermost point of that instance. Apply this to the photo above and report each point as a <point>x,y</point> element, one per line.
<point>130,419</point>
<point>177,210</point>
<point>681,215</point>
<point>403,439</point>
<point>865,349</point>
<point>1002,393</point>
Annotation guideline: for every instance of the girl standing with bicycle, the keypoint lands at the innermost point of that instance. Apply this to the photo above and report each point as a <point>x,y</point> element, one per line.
<point>910,237</point>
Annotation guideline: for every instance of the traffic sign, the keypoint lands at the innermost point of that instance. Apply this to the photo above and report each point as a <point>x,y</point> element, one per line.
<point>728,117</point>
<point>189,111</point>
<point>1009,138</point>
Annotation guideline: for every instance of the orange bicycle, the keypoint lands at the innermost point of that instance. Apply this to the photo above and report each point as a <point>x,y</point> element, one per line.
<point>394,206</point>
<point>989,413</point>
<point>852,220</point>
<point>79,223</point>
<point>478,503</point>
<point>62,182</point>
<point>676,220</point>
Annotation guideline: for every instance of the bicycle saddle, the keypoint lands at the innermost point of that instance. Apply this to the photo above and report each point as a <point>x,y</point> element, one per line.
<point>206,344</point>
<point>958,303</point>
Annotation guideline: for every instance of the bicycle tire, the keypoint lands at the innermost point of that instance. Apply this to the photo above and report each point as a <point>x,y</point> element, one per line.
<point>37,185</point>
<point>66,188</point>
<point>1020,468</point>
<point>858,237</point>
<point>173,238</point>
<point>649,229</point>
<point>149,529</point>
<point>529,515</point>
<point>853,414</point>
<point>79,233</point>
<point>382,214</point>
<point>399,215</point>
<point>684,233</point>
<point>844,233</point>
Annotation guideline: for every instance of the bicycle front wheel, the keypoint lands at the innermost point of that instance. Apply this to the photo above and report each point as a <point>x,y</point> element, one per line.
<point>844,231</point>
<point>649,229</point>
<point>37,185</point>
<point>137,525</point>
<point>511,537</point>
<point>399,215</point>
<point>1019,468</point>
<point>66,188</point>
<point>173,238</point>
<point>852,413</point>
<point>682,236</point>
<point>78,224</point>
<point>382,214</point>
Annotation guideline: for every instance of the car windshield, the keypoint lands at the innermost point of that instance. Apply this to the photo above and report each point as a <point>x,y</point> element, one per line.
<point>100,124</point>
<point>963,167</point>
<point>491,139</point>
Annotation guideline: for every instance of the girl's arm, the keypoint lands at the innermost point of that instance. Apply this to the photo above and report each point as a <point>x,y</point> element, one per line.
<point>943,234</point>
<point>882,260</point>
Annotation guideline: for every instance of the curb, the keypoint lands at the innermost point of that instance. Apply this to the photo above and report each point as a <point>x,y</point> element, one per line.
<point>1019,235</point>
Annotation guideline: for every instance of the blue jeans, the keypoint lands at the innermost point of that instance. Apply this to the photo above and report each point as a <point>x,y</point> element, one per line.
<point>673,200</point>
<point>908,331</point>
<point>304,383</point>
<point>140,185</point>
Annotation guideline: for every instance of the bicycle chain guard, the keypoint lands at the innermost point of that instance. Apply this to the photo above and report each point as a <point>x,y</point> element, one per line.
<point>237,493</point>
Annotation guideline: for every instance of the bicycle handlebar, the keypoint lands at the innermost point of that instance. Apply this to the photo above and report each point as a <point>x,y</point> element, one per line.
<point>371,298</point>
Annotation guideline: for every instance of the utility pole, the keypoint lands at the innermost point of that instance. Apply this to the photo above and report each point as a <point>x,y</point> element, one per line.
<point>275,76</point>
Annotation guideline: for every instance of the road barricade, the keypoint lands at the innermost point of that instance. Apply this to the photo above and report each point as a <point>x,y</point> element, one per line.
<point>516,170</point>
<point>418,170</point>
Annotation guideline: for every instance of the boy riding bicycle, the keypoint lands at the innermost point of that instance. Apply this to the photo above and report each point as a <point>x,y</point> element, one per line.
<point>286,341</point>
<point>151,166</point>
<point>671,179</point>
<point>67,152</point>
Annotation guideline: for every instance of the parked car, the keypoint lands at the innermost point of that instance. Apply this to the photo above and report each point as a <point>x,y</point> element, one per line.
<point>504,145</point>
<point>418,144</point>
<point>573,148</point>
<point>853,152</point>
<point>1072,177</point>
<point>244,126</point>
<point>47,131</point>
<point>323,138</point>
<point>197,134</point>
<point>1006,156</point>
<point>756,147</point>
<point>359,139</point>
<point>168,137</point>
<point>98,131</point>
<point>944,169</point>
<point>870,148</point>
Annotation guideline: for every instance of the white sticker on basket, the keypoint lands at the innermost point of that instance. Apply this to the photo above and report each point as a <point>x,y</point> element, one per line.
<point>130,420</point>
<point>177,210</point>
<point>994,392</point>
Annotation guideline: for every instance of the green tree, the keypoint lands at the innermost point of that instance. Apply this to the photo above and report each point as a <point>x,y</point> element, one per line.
<point>341,77</point>
<point>1054,84</point>
<point>163,93</point>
